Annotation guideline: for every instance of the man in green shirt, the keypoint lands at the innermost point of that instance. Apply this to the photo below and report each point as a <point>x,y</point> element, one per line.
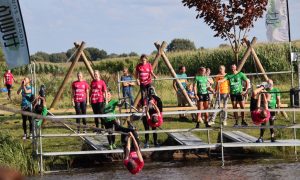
<point>273,98</point>
<point>183,80</point>
<point>237,94</point>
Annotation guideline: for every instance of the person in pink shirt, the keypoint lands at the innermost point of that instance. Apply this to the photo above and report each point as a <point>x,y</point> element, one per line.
<point>143,75</point>
<point>260,115</point>
<point>98,94</point>
<point>133,159</point>
<point>80,94</point>
<point>8,80</point>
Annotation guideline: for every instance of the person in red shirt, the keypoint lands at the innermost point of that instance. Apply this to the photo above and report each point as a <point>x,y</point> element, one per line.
<point>8,80</point>
<point>80,94</point>
<point>259,115</point>
<point>143,75</point>
<point>98,94</point>
<point>133,159</point>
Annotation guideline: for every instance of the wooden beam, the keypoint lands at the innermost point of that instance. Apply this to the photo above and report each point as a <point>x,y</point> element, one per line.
<point>85,60</point>
<point>64,83</point>
<point>173,73</point>
<point>247,54</point>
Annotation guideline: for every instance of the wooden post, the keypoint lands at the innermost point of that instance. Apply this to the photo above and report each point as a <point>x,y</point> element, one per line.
<point>166,60</point>
<point>154,65</point>
<point>62,86</point>
<point>246,55</point>
<point>86,61</point>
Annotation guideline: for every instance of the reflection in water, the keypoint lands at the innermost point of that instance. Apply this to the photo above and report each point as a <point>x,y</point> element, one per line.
<point>187,170</point>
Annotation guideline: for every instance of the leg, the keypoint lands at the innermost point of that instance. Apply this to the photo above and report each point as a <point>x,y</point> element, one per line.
<point>199,105</point>
<point>131,97</point>
<point>234,106</point>
<point>155,137</point>
<point>225,103</point>
<point>102,106</point>
<point>78,112</point>
<point>262,130</point>
<point>242,105</point>
<point>24,119</point>
<point>83,110</point>
<point>146,126</point>
<point>96,110</point>
<point>124,92</point>
<point>109,125</point>
<point>272,121</point>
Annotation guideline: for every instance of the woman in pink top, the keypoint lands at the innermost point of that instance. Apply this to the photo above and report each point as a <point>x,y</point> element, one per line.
<point>80,98</point>
<point>98,94</point>
<point>133,159</point>
<point>143,75</point>
<point>259,115</point>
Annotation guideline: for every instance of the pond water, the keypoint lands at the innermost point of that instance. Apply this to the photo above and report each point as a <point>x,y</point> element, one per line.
<point>268,169</point>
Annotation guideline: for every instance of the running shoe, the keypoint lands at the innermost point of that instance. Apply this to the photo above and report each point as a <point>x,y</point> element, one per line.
<point>146,145</point>
<point>200,120</point>
<point>84,131</point>
<point>236,124</point>
<point>197,125</point>
<point>273,139</point>
<point>207,125</point>
<point>244,123</point>
<point>24,137</point>
<point>30,136</point>
<point>265,85</point>
<point>211,122</point>
<point>259,140</point>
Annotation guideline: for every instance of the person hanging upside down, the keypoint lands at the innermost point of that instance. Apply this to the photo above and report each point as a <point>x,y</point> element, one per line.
<point>200,86</point>
<point>133,159</point>
<point>260,115</point>
<point>112,122</point>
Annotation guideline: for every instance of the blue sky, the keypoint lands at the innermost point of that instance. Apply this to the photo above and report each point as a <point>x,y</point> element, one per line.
<point>122,26</point>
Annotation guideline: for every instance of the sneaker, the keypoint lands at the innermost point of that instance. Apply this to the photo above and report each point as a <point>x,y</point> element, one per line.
<point>156,145</point>
<point>273,139</point>
<point>207,125</point>
<point>244,123</point>
<point>114,146</point>
<point>146,145</point>
<point>197,125</point>
<point>259,140</point>
<point>110,147</point>
<point>211,122</point>
<point>78,131</point>
<point>84,131</point>
<point>30,136</point>
<point>24,137</point>
<point>265,85</point>
<point>236,124</point>
<point>225,123</point>
<point>200,120</point>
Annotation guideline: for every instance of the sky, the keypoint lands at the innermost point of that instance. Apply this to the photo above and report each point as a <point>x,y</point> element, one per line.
<point>123,26</point>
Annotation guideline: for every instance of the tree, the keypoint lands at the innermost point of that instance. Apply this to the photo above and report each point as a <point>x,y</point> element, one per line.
<point>181,45</point>
<point>131,54</point>
<point>230,19</point>
<point>123,55</point>
<point>96,54</point>
<point>58,57</point>
<point>40,56</point>
<point>113,55</point>
<point>70,52</point>
<point>224,46</point>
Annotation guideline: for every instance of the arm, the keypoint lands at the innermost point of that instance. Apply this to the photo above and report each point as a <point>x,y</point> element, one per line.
<point>128,146</point>
<point>87,96</point>
<point>174,85</point>
<point>137,77</point>
<point>265,101</point>
<point>278,101</point>
<point>152,73</point>
<point>156,108</point>
<point>195,90</point>
<point>72,96</point>
<point>137,148</point>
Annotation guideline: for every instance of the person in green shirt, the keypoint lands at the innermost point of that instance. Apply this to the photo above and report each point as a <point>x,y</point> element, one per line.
<point>112,122</point>
<point>40,107</point>
<point>201,88</point>
<point>273,98</point>
<point>183,80</point>
<point>237,94</point>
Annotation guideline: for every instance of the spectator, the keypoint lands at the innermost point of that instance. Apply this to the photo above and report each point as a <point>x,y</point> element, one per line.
<point>182,78</point>
<point>8,80</point>
<point>127,87</point>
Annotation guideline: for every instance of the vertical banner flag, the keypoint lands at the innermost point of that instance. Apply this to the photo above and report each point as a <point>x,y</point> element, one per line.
<point>277,21</point>
<point>12,34</point>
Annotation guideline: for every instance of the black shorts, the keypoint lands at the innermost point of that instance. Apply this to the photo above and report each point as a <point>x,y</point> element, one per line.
<point>236,97</point>
<point>203,97</point>
<point>8,86</point>
<point>253,104</point>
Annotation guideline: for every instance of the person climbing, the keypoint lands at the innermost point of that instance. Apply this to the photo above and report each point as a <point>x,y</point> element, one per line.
<point>27,92</point>
<point>143,75</point>
<point>153,116</point>
<point>8,80</point>
<point>273,99</point>
<point>133,159</point>
<point>200,86</point>
<point>111,122</point>
<point>98,92</point>
<point>260,115</point>
<point>80,98</point>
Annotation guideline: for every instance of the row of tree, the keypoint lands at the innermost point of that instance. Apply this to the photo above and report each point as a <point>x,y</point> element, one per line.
<point>96,54</point>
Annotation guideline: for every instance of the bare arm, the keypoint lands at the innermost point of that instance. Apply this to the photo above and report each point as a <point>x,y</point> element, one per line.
<point>174,85</point>
<point>278,101</point>
<point>156,108</point>
<point>265,101</point>
<point>87,96</point>
<point>137,148</point>
<point>127,149</point>
<point>152,73</point>
<point>195,90</point>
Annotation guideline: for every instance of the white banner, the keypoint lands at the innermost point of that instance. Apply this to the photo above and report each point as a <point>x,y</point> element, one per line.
<point>277,21</point>
<point>12,34</point>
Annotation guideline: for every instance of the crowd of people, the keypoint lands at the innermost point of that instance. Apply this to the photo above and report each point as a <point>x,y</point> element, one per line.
<point>201,91</point>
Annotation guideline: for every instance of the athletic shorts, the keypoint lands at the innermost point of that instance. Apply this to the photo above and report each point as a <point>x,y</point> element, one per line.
<point>8,86</point>
<point>203,97</point>
<point>236,97</point>
<point>253,104</point>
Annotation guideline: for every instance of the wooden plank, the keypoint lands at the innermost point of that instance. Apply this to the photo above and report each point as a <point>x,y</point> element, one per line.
<point>238,136</point>
<point>97,142</point>
<point>186,138</point>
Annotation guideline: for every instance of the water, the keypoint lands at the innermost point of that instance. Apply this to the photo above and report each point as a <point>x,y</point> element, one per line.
<point>186,171</point>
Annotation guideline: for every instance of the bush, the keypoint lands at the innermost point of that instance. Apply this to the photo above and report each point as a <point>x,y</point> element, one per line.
<point>181,45</point>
